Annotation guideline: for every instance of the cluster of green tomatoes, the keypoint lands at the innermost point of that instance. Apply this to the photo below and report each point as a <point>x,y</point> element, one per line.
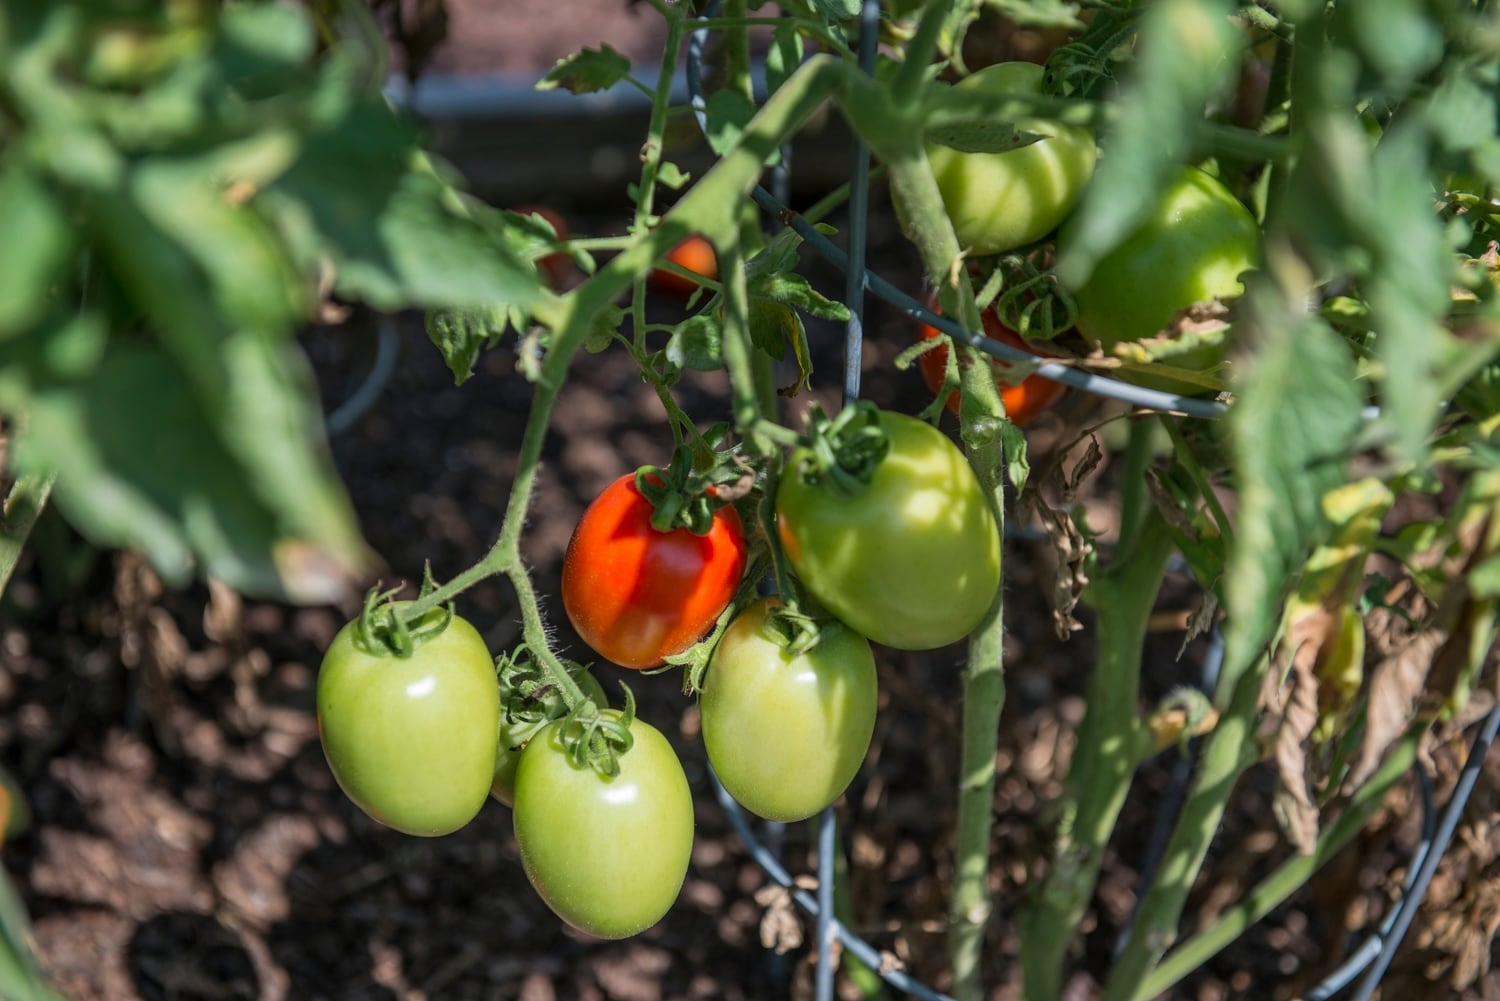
<point>905,554</point>
<point>877,531</point>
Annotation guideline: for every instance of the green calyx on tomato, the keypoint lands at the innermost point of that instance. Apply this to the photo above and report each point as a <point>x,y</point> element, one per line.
<point>411,738</point>
<point>637,594</point>
<point>1003,200</point>
<point>607,854</point>
<point>1190,248</point>
<point>910,558</point>
<point>787,729</point>
<point>528,702</point>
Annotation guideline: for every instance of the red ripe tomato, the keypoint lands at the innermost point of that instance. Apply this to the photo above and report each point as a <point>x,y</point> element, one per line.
<point>637,595</point>
<point>1023,400</point>
<point>695,254</point>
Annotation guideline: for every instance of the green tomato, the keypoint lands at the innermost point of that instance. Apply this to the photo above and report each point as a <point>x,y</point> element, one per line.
<point>999,201</point>
<point>1191,247</point>
<point>514,735</point>
<point>786,733</point>
<point>910,560</point>
<point>608,855</point>
<point>411,740</point>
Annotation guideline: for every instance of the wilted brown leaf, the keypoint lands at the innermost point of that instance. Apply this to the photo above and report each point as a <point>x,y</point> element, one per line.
<point>1072,548</point>
<point>1396,686</point>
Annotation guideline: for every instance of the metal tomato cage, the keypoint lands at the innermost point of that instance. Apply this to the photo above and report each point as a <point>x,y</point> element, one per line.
<point>1373,956</point>
<point>447,102</point>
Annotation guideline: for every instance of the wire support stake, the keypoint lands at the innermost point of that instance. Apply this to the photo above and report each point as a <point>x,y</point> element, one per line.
<point>857,947</point>
<point>1452,814</point>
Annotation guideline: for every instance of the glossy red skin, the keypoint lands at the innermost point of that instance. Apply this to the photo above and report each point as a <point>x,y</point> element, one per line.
<point>638,596</point>
<point>1023,401</point>
<point>695,254</point>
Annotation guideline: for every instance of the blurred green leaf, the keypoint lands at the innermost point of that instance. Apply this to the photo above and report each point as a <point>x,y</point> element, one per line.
<point>396,232</point>
<point>37,243</point>
<point>142,462</point>
<point>784,55</point>
<point>981,137</point>
<point>587,71</point>
<point>1296,413</point>
<point>20,976</point>
<point>1189,57</point>
<point>1038,13</point>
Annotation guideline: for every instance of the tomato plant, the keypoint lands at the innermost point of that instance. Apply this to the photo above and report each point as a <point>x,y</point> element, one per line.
<point>910,559</point>
<point>515,734</point>
<point>555,265</point>
<point>999,201</point>
<point>411,740</point>
<point>638,595</point>
<point>785,731</point>
<point>1191,247</point>
<point>693,254</point>
<point>608,855</point>
<point>1023,400</point>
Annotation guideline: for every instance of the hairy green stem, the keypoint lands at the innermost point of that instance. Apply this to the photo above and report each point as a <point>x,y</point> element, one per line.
<point>1289,877</point>
<point>1108,751</point>
<point>27,499</point>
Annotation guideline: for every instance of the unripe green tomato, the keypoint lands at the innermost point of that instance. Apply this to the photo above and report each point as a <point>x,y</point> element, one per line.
<point>911,559</point>
<point>514,736</point>
<point>608,855</point>
<point>786,733</point>
<point>999,201</point>
<point>411,740</point>
<point>1190,247</point>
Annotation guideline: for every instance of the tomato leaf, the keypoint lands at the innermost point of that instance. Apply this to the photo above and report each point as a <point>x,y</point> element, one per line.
<point>697,344</point>
<point>774,326</point>
<point>38,241</point>
<point>396,231</point>
<point>981,136</point>
<point>1299,394</point>
<point>143,462</point>
<point>1038,13</point>
<point>1189,56</point>
<point>784,55</point>
<point>587,71</point>
<point>460,334</point>
<point>728,112</point>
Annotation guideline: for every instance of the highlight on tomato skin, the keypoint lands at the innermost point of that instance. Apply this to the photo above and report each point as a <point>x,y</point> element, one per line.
<point>636,595</point>
<point>1023,401</point>
<point>695,254</point>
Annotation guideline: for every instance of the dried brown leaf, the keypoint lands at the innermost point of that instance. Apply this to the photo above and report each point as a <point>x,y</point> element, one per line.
<point>779,928</point>
<point>1296,808</point>
<point>1072,548</point>
<point>1396,687</point>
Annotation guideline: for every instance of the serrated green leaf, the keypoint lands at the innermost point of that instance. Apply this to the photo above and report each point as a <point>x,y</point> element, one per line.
<point>791,289</point>
<point>1290,430</point>
<point>460,334</point>
<point>1408,290</point>
<point>669,175</point>
<point>604,328</point>
<point>784,55</point>
<point>981,136</point>
<point>249,273</point>
<point>141,463</point>
<point>728,112</point>
<point>1188,56</point>
<point>697,344</point>
<point>773,327</point>
<point>587,71</point>
<point>36,245</point>
<point>398,235</point>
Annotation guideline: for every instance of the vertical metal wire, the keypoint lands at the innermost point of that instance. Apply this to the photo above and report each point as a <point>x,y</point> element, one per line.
<point>827,845</point>
<point>859,202</point>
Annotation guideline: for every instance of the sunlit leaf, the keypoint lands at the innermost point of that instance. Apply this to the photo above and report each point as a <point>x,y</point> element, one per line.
<point>587,71</point>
